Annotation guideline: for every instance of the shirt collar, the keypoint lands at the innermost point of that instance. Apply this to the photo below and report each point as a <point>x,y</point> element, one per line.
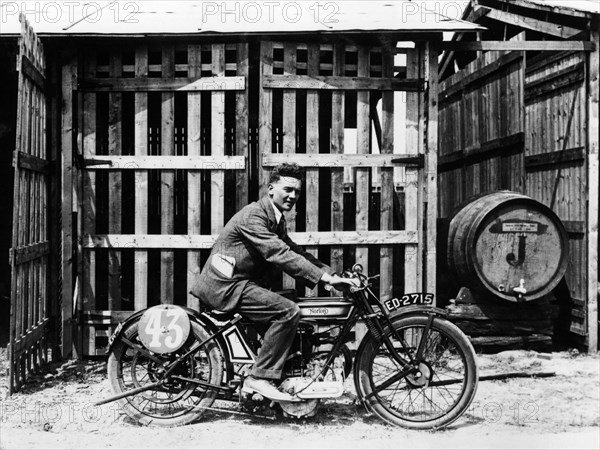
<point>278,214</point>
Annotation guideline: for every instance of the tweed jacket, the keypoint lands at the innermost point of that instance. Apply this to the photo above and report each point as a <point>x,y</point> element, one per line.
<point>251,245</point>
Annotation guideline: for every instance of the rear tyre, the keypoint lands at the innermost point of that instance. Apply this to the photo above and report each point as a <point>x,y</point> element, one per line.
<point>176,402</point>
<point>435,397</point>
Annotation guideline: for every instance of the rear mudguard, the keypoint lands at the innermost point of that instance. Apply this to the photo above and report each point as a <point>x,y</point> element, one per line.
<point>194,316</point>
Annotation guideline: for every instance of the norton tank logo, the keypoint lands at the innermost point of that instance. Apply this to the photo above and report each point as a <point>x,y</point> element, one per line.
<point>318,311</point>
<point>518,226</point>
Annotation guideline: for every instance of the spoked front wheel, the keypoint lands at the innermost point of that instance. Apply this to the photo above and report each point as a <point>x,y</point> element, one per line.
<point>176,401</point>
<point>437,394</point>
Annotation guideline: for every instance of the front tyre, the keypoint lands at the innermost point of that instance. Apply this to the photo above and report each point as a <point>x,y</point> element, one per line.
<point>176,402</point>
<point>438,394</point>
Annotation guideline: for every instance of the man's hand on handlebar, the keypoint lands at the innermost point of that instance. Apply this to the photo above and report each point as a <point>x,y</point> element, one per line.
<point>337,282</point>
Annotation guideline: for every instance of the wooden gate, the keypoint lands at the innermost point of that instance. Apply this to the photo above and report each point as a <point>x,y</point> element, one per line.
<point>164,135</point>
<point>177,138</point>
<point>29,321</point>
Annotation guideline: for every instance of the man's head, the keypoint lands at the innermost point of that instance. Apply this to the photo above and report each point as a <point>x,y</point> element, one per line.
<point>285,185</point>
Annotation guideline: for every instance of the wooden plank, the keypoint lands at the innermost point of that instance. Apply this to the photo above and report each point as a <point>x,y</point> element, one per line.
<point>197,242</point>
<point>363,129</point>
<point>115,185</point>
<point>564,157</point>
<point>167,219</point>
<point>194,145</point>
<point>32,163</point>
<point>412,273</point>
<point>431,75</point>
<point>33,73</point>
<point>265,130</point>
<point>33,251</point>
<point>337,150</point>
<point>242,175</point>
<point>593,177</point>
<point>217,188</point>
<point>336,160</point>
<point>312,147</point>
<point>530,46</point>
<point>291,81</point>
<point>362,176</point>
<point>140,296</point>
<point>529,23</point>
<point>386,254</point>
<point>69,83</point>
<point>553,83</point>
<point>289,135</point>
<point>501,63</point>
<point>166,162</point>
<point>89,205</point>
<point>165,84</point>
<point>33,335</point>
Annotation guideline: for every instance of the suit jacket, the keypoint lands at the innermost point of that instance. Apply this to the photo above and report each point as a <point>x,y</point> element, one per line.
<point>250,246</point>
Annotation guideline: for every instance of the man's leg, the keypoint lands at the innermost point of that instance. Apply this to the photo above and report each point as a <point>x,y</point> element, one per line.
<point>281,315</point>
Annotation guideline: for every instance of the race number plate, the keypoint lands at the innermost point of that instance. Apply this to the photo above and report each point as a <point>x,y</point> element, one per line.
<point>164,328</point>
<point>408,300</point>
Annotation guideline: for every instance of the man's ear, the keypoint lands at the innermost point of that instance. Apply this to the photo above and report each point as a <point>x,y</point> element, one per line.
<point>270,187</point>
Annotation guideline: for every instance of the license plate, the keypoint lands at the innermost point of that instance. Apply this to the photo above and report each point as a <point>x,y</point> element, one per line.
<point>408,300</point>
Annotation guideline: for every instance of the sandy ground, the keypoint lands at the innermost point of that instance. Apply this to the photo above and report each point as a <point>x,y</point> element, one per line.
<point>56,410</point>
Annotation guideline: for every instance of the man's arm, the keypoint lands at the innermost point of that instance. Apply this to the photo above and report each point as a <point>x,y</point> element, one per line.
<point>276,251</point>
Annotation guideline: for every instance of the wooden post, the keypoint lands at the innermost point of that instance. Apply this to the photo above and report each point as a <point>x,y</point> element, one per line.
<point>265,117</point>
<point>88,279</point>
<point>593,177</point>
<point>289,133</point>
<point>431,76</point>
<point>115,185</point>
<point>412,253</point>
<point>217,146</point>
<point>337,147</point>
<point>194,176</point>
<point>241,127</point>
<point>387,174</point>
<point>69,83</point>
<point>363,184</point>
<point>167,219</point>
<point>140,299</point>
<point>312,147</point>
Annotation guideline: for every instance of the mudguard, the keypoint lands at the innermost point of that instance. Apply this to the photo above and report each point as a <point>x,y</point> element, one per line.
<point>417,310</point>
<point>194,316</point>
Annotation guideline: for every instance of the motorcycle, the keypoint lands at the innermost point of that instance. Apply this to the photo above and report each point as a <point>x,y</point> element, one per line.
<point>412,368</point>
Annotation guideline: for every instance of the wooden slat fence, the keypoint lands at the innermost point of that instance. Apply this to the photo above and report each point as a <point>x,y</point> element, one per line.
<point>364,186</point>
<point>29,255</point>
<point>160,137</point>
<point>176,130</point>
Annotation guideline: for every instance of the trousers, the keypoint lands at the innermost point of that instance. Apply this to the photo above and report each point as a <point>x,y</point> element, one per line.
<point>280,316</point>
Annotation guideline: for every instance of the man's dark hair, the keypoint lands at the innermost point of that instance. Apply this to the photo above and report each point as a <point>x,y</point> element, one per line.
<point>292,170</point>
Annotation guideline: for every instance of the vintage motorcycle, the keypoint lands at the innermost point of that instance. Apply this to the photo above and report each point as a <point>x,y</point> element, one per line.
<point>413,368</point>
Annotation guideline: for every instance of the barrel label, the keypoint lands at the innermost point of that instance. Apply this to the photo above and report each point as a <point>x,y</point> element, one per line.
<point>518,226</point>
<point>417,298</point>
<point>512,227</point>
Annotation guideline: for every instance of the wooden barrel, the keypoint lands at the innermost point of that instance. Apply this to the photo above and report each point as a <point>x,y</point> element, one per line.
<point>508,244</point>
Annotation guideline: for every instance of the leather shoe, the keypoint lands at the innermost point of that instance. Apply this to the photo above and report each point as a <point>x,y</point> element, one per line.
<point>267,389</point>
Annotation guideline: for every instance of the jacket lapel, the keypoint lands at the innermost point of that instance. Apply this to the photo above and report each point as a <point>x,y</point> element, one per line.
<point>265,203</point>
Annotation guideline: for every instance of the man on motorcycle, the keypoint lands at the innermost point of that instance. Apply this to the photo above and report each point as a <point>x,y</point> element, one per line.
<point>254,241</point>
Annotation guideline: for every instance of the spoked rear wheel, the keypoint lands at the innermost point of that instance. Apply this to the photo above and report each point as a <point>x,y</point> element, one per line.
<point>176,402</point>
<point>435,396</point>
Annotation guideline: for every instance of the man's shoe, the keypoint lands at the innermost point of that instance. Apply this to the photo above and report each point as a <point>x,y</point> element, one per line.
<point>267,389</point>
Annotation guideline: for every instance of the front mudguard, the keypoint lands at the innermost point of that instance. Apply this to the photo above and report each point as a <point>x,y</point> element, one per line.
<point>194,316</point>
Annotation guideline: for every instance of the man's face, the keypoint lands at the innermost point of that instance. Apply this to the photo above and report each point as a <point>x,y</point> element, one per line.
<point>285,192</point>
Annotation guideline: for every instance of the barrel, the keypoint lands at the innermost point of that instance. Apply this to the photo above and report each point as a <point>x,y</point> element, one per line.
<point>508,244</point>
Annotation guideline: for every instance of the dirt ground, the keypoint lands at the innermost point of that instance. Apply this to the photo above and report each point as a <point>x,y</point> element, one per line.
<point>55,410</point>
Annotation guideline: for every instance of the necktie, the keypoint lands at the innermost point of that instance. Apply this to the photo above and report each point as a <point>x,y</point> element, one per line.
<point>281,227</point>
